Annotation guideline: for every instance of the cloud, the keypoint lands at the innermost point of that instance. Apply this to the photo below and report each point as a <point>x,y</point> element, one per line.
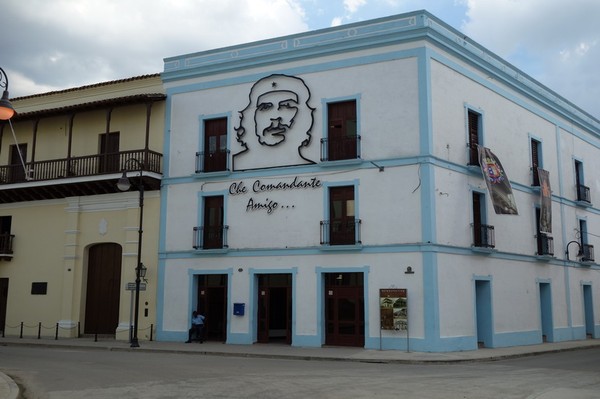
<point>352,6</point>
<point>554,43</point>
<point>65,43</point>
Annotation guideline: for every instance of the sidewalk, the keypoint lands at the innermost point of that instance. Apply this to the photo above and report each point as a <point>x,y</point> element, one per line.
<point>9,390</point>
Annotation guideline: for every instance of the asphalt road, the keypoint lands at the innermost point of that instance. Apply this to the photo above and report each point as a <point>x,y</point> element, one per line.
<point>93,374</point>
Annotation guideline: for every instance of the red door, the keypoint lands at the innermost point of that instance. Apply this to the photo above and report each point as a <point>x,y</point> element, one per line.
<point>342,217</point>
<point>212,304</point>
<point>344,309</point>
<point>215,145</point>
<point>275,308</point>
<point>342,133</point>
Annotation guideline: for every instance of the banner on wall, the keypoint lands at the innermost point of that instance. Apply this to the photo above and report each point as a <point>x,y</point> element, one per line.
<point>497,183</point>
<point>393,307</point>
<point>545,201</point>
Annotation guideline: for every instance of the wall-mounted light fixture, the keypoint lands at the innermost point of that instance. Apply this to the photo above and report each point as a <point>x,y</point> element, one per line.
<point>409,270</point>
<point>6,109</point>
<point>579,253</point>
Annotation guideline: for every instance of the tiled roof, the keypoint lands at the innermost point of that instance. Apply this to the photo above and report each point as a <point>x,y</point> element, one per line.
<point>90,106</point>
<point>112,82</point>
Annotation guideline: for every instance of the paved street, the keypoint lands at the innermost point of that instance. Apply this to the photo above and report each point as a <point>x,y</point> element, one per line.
<point>71,372</point>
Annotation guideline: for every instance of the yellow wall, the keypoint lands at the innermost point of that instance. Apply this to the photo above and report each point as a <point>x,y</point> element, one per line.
<point>52,237</point>
<point>50,245</point>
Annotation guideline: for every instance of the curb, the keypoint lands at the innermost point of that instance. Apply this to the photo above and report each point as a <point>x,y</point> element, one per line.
<point>313,357</point>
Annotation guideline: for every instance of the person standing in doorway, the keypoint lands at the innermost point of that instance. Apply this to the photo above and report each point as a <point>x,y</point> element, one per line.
<point>197,327</point>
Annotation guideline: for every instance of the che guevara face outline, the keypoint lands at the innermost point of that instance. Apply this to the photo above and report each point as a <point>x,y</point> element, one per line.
<point>279,112</point>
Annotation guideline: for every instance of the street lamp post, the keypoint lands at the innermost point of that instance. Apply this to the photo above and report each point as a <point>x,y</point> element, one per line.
<point>6,108</point>
<point>124,184</point>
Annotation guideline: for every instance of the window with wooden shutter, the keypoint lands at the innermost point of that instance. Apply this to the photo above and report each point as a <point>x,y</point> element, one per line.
<point>215,145</point>
<point>342,137</point>
<point>474,121</point>
<point>535,160</point>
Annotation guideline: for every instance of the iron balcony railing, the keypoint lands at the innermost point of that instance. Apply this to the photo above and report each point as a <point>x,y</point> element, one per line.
<point>89,165</point>
<point>484,236</point>
<point>6,244</point>
<point>545,245</point>
<point>583,193</point>
<point>210,237</point>
<point>217,161</point>
<point>341,232</point>
<point>587,252</point>
<point>338,148</point>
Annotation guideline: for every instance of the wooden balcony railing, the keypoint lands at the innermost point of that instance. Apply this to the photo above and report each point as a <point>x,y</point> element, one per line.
<point>89,165</point>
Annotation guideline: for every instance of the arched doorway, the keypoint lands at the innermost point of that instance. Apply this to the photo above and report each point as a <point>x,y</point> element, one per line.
<point>103,289</point>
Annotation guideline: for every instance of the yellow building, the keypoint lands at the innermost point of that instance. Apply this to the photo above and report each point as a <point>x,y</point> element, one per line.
<point>68,236</point>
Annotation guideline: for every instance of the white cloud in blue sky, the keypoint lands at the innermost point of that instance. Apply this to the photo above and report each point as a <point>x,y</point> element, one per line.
<point>57,44</point>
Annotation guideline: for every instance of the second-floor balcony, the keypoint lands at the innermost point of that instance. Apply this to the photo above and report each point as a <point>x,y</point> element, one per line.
<point>75,176</point>
<point>587,253</point>
<point>215,161</point>
<point>583,194</point>
<point>210,237</point>
<point>6,241</point>
<point>545,245</point>
<point>341,232</point>
<point>340,148</point>
<point>484,236</point>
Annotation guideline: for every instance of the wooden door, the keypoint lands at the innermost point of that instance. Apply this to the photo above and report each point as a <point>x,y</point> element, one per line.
<point>103,289</point>
<point>215,145</point>
<point>342,216</point>
<point>17,173</point>
<point>344,310</point>
<point>109,153</point>
<point>342,131</point>
<point>275,308</point>
<point>212,304</point>
<point>213,222</point>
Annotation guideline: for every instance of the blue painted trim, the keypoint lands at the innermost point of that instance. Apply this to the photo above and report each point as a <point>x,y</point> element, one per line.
<point>588,308</point>
<point>563,334</point>
<point>518,338</point>
<point>277,69</point>
<point>313,44</point>
<point>239,339</point>
<point>171,336</point>
<point>546,318</point>
<point>310,341</point>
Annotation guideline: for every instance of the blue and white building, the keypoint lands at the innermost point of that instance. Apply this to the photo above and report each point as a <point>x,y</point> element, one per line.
<point>306,175</point>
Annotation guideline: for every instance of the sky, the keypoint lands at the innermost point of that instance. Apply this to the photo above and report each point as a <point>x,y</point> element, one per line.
<point>53,45</point>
